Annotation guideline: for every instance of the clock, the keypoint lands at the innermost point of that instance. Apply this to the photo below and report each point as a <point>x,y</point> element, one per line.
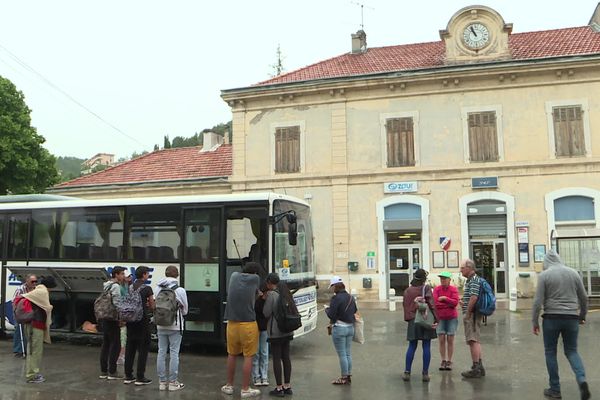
<point>476,36</point>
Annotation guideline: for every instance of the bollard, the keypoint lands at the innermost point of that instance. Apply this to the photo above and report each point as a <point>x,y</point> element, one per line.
<point>392,301</point>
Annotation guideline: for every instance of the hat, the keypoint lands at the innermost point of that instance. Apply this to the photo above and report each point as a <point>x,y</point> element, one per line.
<point>445,274</point>
<point>420,274</point>
<point>335,280</point>
<point>127,272</point>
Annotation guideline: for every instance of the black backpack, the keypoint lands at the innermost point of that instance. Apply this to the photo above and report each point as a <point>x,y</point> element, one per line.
<point>287,315</point>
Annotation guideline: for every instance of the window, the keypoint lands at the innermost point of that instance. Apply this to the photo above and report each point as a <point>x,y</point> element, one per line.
<point>18,230</point>
<point>287,149</point>
<point>155,233</point>
<point>400,142</point>
<point>44,234</point>
<point>483,138</point>
<point>573,209</point>
<point>569,138</point>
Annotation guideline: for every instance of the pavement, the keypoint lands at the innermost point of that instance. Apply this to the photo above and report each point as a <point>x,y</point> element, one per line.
<point>513,357</point>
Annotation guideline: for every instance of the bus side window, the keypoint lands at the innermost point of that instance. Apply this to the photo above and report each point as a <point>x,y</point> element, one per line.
<point>18,228</point>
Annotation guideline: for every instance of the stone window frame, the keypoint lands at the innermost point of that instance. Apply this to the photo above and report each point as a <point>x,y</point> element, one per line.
<point>383,118</point>
<point>273,130</point>
<point>585,108</point>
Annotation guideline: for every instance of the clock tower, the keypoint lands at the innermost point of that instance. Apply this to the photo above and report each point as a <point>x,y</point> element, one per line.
<point>476,34</point>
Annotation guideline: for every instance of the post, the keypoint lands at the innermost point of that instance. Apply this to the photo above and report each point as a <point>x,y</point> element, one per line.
<point>392,301</point>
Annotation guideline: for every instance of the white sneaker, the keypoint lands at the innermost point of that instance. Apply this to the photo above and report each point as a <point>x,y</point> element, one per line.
<point>162,385</point>
<point>264,382</point>
<point>173,386</point>
<point>250,393</point>
<point>227,389</point>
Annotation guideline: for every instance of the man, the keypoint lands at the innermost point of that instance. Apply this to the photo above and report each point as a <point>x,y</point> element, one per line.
<point>561,293</point>
<point>471,319</point>
<point>169,336</point>
<point>38,330</point>
<point>242,330</point>
<point>138,333</point>
<point>19,339</point>
<point>111,343</point>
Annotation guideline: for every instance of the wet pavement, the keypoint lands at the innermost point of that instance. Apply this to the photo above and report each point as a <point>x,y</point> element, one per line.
<point>513,357</point>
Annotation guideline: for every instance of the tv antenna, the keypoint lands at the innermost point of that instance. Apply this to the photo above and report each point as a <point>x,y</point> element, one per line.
<point>362,13</point>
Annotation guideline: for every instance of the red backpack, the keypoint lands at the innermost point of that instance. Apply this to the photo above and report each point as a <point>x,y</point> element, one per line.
<point>23,310</point>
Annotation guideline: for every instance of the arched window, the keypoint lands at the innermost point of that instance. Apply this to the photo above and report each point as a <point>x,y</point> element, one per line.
<point>574,208</point>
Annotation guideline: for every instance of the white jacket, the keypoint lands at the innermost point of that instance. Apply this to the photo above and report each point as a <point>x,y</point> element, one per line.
<point>181,296</point>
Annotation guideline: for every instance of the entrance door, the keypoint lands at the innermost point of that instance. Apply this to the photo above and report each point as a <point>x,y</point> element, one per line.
<point>490,263</point>
<point>402,260</point>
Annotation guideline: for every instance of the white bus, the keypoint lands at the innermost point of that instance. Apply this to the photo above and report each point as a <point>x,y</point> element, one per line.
<point>207,237</point>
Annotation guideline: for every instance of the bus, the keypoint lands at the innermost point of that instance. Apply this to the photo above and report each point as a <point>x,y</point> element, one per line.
<point>207,237</point>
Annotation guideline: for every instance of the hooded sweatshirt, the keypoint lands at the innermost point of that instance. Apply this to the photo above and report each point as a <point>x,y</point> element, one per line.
<point>181,296</point>
<point>560,291</point>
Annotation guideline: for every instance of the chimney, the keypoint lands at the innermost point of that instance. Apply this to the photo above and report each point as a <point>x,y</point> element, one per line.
<point>211,141</point>
<point>595,20</point>
<point>359,42</point>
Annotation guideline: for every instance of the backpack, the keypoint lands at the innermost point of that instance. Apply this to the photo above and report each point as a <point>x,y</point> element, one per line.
<point>287,315</point>
<point>166,306</point>
<point>486,301</point>
<point>130,307</point>
<point>104,308</point>
<point>23,310</point>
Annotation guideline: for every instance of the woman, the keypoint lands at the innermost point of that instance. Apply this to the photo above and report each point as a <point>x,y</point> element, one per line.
<point>260,362</point>
<point>279,341</point>
<point>341,312</point>
<point>417,293</point>
<point>446,299</point>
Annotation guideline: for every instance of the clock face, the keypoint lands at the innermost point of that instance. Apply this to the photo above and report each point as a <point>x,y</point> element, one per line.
<point>476,36</point>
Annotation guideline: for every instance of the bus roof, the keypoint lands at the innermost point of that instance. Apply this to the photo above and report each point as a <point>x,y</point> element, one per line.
<point>28,198</point>
<point>133,201</point>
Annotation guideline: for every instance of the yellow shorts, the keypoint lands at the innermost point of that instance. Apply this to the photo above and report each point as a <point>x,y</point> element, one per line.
<point>242,338</point>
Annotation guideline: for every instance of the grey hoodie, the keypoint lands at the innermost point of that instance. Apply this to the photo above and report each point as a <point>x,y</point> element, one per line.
<point>181,296</point>
<point>559,290</point>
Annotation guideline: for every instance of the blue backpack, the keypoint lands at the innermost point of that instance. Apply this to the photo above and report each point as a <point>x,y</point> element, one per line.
<point>486,301</point>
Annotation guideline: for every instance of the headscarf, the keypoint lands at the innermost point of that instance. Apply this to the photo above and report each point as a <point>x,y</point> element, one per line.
<point>41,298</point>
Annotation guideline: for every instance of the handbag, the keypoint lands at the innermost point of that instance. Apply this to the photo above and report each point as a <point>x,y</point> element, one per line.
<point>424,317</point>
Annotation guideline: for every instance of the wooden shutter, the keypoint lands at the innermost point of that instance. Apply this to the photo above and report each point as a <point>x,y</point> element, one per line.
<point>400,142</point>
<point>569,139</point>
<point>483,137</point>
<point>287,149</point>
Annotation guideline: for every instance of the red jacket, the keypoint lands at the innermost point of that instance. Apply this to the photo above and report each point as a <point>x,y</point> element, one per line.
<point>446,309</point>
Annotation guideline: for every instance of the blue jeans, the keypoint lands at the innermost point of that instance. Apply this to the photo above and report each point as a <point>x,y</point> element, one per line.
<point>569,329</point>
<point>342,341</point>
<point>260,362</point>
<point>19,339</point>
<point>168,340</point>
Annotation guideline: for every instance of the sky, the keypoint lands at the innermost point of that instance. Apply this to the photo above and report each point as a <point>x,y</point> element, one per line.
<point>117,76</point>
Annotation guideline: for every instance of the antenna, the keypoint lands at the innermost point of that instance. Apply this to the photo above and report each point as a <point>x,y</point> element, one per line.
<point>362,13</point>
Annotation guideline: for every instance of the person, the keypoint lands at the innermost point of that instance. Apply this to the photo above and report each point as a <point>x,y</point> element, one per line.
<point>340,312</point>
<point>169,337</point>
<point>260,362</point>
<point>138,333</point>
<point>418,292</point>
<point>124,286</point>
<point>561,293</point>
<point>38,330</point>
<point>111,345</point>
<point>471,319</point>
<point>279,341</point>
<point>446,299</point>
<point>242,331</point>
<point>19,338</point>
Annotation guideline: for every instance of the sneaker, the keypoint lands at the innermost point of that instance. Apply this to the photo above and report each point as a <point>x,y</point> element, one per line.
<point>114,377</point>
<point>128,380</point>
<point>585,391</point>
<point>552,394</point>
<point>426,377</point>
<point>288,390</point>
<point>38,378</point>
<point>264,382</point>
<point>162,385</point>
<point>250,393</point>
<point>173,386</point>
<point>143,381</point>
<point>406,376</point>
<point>103,375</point>
<point>227,389</point>
<point>474,372</point>
<point>277,392</point>
<point>481,368</point>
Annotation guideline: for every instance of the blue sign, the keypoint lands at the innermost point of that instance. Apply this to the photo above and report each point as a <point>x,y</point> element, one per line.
<point>400,187</point>
<point>484,182</point>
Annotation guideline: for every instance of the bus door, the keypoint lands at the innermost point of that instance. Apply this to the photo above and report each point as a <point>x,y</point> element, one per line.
<point>203,272</point>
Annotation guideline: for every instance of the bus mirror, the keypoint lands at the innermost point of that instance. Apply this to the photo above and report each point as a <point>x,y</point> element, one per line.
<point>293,234</point>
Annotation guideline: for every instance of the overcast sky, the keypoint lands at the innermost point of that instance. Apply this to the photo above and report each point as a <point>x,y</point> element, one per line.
<point>151,68</point>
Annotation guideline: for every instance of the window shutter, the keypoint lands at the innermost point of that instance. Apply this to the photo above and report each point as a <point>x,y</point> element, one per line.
<point>287,149</point>
<point>400,142</point>
<point>483,136</point>
<point>568,131</point>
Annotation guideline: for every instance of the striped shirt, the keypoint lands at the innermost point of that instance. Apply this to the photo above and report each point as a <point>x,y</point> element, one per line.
<point>472,287</point>
<point>21,290</point>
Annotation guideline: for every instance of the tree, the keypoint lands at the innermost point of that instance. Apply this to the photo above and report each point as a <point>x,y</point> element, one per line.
<point>25,166</point>
<point>166,142</point>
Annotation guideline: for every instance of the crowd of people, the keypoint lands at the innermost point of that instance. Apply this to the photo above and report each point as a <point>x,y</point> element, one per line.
<point>254,329</point>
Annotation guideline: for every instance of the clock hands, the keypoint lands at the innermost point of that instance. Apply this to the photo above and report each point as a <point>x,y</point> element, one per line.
<point>473,30</point>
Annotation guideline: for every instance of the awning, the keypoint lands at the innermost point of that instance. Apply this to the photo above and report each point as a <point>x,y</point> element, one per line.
<point>72,280</point>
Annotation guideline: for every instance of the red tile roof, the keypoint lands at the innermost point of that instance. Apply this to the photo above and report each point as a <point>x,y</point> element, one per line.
<point>523,46</point>
<point>160,166</point>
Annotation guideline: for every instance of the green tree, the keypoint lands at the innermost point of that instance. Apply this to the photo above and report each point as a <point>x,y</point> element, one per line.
<point>166,142</point>
<point>25,166</point>
<point>69,167</point>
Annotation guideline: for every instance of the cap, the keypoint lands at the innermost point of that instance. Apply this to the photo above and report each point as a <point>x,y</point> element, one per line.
<point>127,272</point>
<point>445,274</point>
<point>335,279</point>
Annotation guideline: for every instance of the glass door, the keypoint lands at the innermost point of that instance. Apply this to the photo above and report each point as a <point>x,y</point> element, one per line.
<point>402,261</point>
<point>490,263</point>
